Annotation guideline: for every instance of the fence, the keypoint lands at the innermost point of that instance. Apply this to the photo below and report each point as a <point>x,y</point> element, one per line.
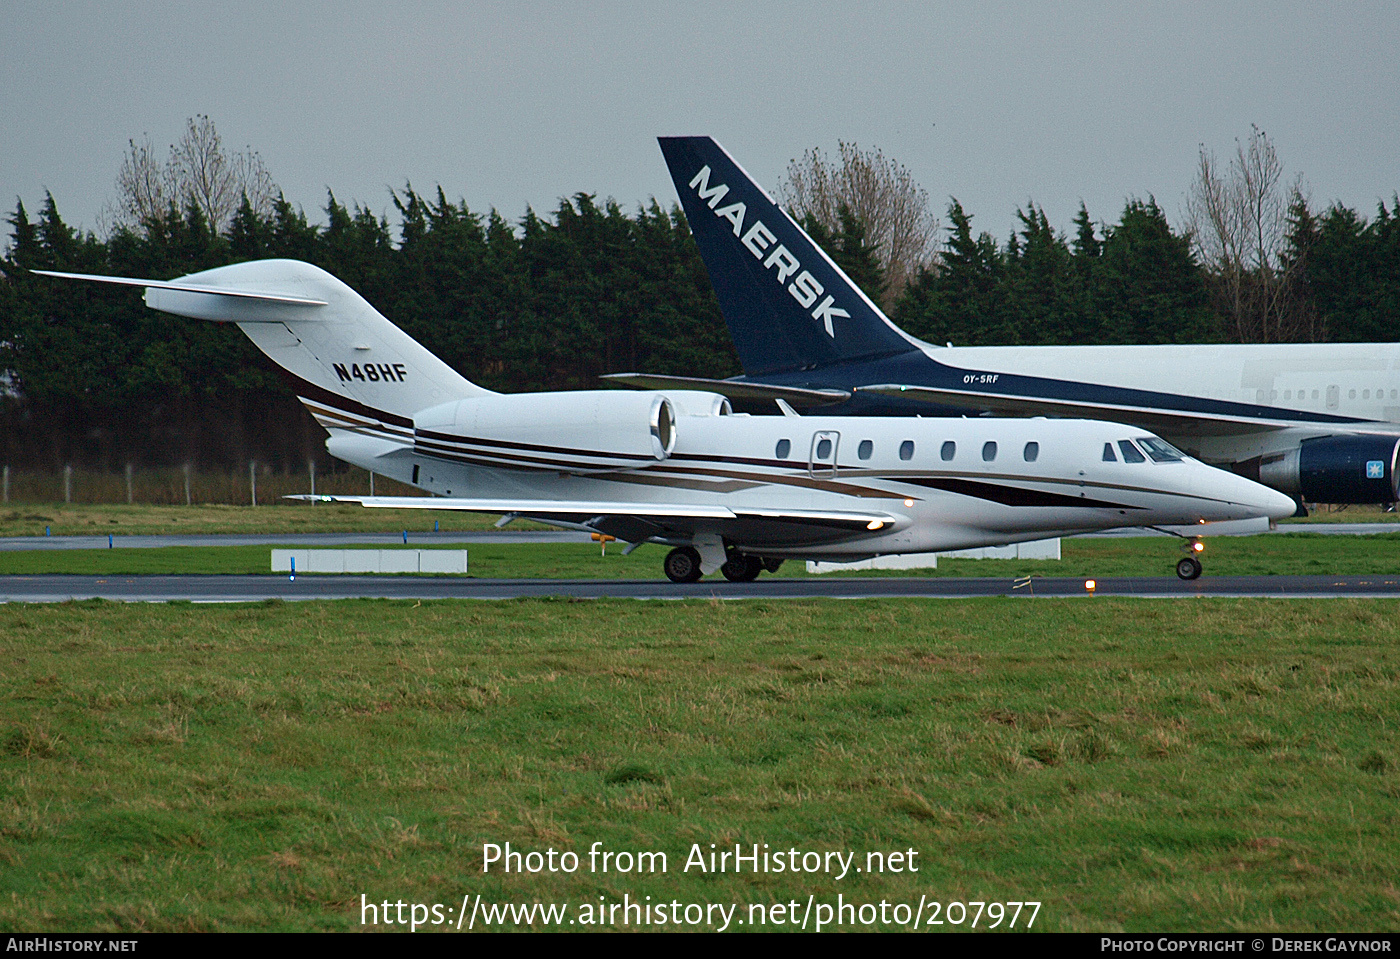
<point>179,486</point>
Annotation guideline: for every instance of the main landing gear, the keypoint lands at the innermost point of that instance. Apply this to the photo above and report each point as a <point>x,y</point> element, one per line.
<point>682,565</point>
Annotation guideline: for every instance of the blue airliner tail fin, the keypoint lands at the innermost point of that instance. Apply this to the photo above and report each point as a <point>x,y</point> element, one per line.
<point>788,306</point>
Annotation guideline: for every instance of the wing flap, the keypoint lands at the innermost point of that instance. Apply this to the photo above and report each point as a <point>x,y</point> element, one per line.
<point>686,514</point>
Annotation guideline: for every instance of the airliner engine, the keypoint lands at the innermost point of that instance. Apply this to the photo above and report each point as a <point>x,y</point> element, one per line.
<point>1337,469</point>
<point>585,430</point>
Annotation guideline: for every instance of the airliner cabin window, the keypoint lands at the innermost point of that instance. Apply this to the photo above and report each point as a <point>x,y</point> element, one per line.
<point>1031,452</point>
<point>949,450</point>
<point>865,449</point>
<point>823,448</point>
<point>784,448</point>
<point>1108,455</point>
<point>1130,452</point>
<point>989,451</point>
<point>906,450</point>
<point>1160,450</point>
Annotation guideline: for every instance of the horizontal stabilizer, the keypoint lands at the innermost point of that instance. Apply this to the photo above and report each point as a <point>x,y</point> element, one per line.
<point>734,389</point>
<point>187,288</point>
<point>1162,421</point>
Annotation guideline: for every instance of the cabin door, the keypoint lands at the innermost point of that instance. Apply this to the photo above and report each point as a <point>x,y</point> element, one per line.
<point>822,464</point>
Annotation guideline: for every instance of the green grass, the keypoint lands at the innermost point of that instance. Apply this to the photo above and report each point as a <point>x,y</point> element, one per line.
<point>77,519</point>
<point>1201,765</point>
<point>1275,554</point>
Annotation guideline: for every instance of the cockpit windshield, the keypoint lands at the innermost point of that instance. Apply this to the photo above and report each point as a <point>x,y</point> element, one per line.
<point>1160,450</point>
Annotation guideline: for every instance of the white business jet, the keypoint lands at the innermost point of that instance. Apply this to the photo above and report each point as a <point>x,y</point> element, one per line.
<point>726,491</point>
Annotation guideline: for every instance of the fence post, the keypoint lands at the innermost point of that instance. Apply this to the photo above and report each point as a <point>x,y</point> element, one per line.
<point>68,483</point>
<point>187,484</point>
<point>253,479</point>
<point>311,467</point>
<point>128,484</point>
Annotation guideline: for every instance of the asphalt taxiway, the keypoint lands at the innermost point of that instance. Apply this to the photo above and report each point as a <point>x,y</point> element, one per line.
<point>248,588</point>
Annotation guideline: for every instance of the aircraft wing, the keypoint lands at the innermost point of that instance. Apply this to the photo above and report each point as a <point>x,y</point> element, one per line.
<point>1161,421</point>
<point>657,517</point>
<point>797,396</point>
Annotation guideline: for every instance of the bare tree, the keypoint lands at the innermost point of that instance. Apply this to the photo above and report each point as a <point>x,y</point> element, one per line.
<point>1239,225</point>
<point>198,172</point>
<point>899,224</point>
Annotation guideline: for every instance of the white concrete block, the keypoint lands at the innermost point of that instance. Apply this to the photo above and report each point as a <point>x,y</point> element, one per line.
<point>282,560</point>
<point>899,561</point>
<point>398,560</point>
<point>361,560</point>
<point>325,561</point>
<point>442,561</point>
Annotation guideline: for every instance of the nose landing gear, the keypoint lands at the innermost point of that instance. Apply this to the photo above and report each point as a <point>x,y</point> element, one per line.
<point>1189,567</point>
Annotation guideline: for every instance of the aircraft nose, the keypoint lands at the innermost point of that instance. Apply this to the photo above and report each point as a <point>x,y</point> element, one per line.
<point>1262,500</point>
<point>1277,505</point>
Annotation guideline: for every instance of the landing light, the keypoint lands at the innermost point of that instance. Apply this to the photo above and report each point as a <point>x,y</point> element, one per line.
<point>875,524</point>
<point>1198,547</point>
<point>909,503</point>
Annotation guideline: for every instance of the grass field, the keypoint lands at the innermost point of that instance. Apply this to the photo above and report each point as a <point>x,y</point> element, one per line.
<point>1275,554</point>
<point>78,519</point>
<point>1202,765</point>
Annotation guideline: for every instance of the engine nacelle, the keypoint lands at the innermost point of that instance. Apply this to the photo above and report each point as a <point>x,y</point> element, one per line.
<point>583,430</point>
<point>1337,469</point>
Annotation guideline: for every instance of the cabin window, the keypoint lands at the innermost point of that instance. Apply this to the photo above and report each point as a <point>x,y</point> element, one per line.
<point>784,448</point>
<point>1031,452</point>
<point>1130,452</point>
<point>1160,450</point>
<point>989,451</point>
<point>948,451</point>
<point>823,448</point>
<point>865,449</point>
<point>906,450</point>
<point>1365,394</point>
<point>1288,394</point>
<point>1351,394</point>
<point>1108,455</point>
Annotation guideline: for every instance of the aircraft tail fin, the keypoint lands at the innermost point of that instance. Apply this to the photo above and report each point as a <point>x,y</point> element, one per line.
<point>788,306</point>
<point>350,366</point>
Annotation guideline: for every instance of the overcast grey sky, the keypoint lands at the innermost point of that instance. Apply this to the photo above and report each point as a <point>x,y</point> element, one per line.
<point>510,104</point>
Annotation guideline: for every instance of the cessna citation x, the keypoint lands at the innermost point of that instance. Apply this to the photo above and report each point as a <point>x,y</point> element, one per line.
<point>1316,421</point>
<point>727,491</point>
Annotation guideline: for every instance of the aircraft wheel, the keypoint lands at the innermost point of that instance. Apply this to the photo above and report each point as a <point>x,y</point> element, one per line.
<point>772,564</point>
<point>682,565</point>
<point>1188,568</point>
<point>741,568</point>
